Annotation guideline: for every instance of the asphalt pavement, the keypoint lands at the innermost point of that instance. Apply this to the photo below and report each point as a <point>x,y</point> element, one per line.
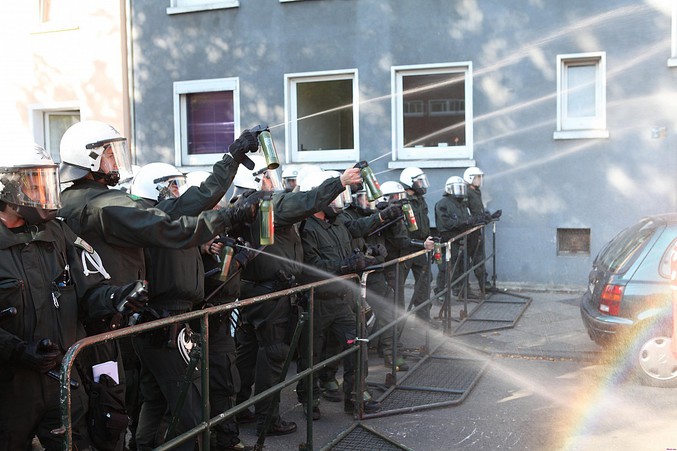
<point>549,330</point>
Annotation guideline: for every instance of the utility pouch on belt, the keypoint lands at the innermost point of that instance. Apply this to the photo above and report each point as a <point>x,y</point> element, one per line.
<point>107,417</point>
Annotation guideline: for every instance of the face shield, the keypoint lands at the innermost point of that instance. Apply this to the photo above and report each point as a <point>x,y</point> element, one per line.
<point>477,180</point>
<point>270,180</point>
<point>396,196</point>
<point>420,183</point>
<point>457,189</point>
<point>361,201</point>
<point>346,196</point>
<point>170,187</point>
<point>34,191</point>
<point>337,204</point>
<point>115,162</point>
<point>289,184</point>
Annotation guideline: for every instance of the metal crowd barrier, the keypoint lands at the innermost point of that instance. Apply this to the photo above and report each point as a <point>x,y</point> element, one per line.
<point>306,317</point>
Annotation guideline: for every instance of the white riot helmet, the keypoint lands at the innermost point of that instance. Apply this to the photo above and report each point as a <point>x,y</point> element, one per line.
<point>456,187</point>
<point>259,178</point>
<point>415,179</point>
<point>315,179</point>
<point>194,178</point>
<point>305,171</point>
<point>29,183</point>
<point>96,147</point>
<point>392,191</point>
<point>473,176</point>
<point>157,182</point>
<point>289,178</point>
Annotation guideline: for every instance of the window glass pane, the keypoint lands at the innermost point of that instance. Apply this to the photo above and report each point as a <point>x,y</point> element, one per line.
<point>325,115</point>
<point>56,125</point>
<point>434,110</point>
<point>581,91</point>
<point>210,122</point>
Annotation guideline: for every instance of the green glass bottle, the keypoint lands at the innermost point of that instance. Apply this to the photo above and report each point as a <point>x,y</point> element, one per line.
<point>226,256</point>
<point>267,231</point>
<point>409,217</point>
<point>268,149</point>
<point>373,187</point>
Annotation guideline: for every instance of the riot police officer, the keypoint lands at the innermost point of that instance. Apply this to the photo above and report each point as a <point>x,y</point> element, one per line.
<point>95,157</point>
<point>176,277</point>
<point>263,339</point>
<point>415,181</point>
<point>473,177</point>
<point>452,217</point>
<point>327,252</point>
<point>43,279</point>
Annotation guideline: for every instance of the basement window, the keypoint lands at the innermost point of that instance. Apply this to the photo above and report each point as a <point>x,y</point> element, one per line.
<point>573,241</point>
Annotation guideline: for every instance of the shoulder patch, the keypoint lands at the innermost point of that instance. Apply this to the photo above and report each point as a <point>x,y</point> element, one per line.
<point>82,244</point>
<point>133,197</point>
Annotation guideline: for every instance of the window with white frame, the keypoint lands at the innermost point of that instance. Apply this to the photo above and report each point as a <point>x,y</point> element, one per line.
<point>581,96</point>
<point>206,119</point>
<point>188,6</point>
<point>323,114</point>
<point>49,123</point>
<point>55,15</point>
<point>432,112</point>
<point>672,61</point>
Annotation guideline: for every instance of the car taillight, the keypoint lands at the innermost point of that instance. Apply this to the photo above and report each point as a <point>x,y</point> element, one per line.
<point>610,301</point>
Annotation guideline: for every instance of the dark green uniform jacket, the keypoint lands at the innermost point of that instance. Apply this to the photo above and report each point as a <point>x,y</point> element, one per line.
<point>420,207</point>
<point>41,274</point>
<point>286,252</point>
<point>450,212</point>
<point>119,225</point>
<point>325,246</point>
<point>475,204</point>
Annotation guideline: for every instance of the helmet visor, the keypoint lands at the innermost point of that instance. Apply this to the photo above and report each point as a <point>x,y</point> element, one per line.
<point>456,189</point>
<point>337,204</point>
<point>420,181</point>
<point>35,186</point>
<point>170,187</point>
<point>347,196</point>
<point>396,196</point>
<point>271,180</point>
<point>115,157</point>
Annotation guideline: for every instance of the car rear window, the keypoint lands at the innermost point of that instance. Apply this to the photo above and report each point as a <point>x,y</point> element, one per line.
<point>623,249</point>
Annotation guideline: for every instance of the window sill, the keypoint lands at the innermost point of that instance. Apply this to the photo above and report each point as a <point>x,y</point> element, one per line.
<point>431,164</point>
<point>207,6</point>
<point>672,62</point>
<point>581,134</point>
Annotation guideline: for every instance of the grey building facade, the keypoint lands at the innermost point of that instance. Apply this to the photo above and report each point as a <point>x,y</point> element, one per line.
<point>568,107</point>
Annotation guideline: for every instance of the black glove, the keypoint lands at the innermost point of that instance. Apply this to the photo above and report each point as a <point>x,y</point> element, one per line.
<point>244,252</point>
<point>130,298</point>
<point>245,208</point>
<point>391,213</point>
<point>378,251</point>
<point>496,215</point>
<point>40,357</point>
<point>247,142</point>
<point>356,262</point>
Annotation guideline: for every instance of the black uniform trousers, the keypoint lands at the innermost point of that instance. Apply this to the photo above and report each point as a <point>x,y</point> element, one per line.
<point>262,346</point>
<point>162,375</point>
<point>420,267</point>
<point>30,406</point>
<point>224,381</point>
<point>332,316</point>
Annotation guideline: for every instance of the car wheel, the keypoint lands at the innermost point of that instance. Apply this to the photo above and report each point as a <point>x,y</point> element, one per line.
<point>657,366</point>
